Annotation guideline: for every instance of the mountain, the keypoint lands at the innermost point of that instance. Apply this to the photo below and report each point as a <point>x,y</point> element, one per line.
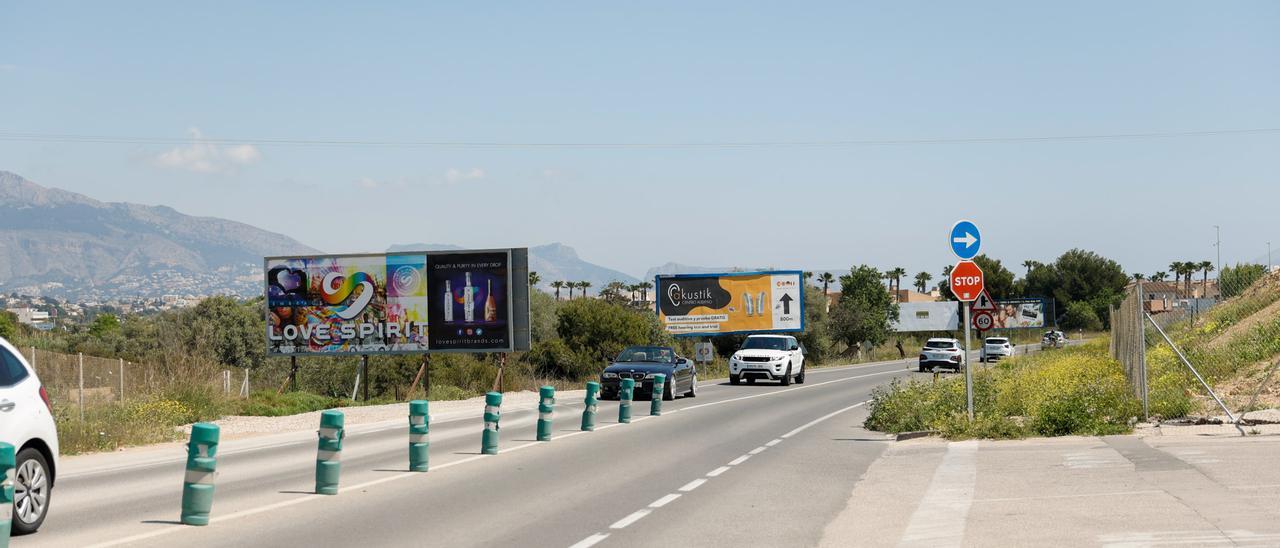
<point>63,244</point>
<point>552,262</point>
<point>677,268</point>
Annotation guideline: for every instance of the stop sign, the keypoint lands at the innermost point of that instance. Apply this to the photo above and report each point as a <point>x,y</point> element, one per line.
<point>966,281</point>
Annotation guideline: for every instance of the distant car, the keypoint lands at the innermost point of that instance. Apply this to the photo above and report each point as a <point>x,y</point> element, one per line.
<point>1053,339</point>
<point>642,363</point>
<point>941,353</point>
<point>770,357</point>
<point>26,422</point>
<point>995,348</point>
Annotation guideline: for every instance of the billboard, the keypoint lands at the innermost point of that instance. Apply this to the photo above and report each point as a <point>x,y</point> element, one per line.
<point>359,304</point>
<point>386,303</point>
<point>1019,314</point>
<point>740,302</point>
<point>927,316</point>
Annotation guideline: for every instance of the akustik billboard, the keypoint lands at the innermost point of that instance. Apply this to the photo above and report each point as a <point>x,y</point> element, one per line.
<point>456,301</point>
<point>740,302</point>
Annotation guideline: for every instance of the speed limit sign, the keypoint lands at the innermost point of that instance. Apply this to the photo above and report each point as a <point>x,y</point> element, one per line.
<point>982,321</point>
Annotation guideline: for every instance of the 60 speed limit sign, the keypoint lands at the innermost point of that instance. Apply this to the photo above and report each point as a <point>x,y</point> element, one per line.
<point>982,321</point>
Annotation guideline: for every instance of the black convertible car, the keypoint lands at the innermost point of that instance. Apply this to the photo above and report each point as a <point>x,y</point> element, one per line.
<point>642,363</point>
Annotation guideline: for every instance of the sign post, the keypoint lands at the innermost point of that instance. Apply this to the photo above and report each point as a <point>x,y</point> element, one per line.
<point>967,285</point>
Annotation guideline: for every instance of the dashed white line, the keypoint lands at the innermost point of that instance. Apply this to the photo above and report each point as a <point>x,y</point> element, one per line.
<point>820,419</point>
<point>591,540</point>
<point>693,485</point>
<point>757,450</point>
<point>634,517</point>
<point>776,441</point>
<point>739,460</point>
<point>664,500</point>
<point>717,471</point>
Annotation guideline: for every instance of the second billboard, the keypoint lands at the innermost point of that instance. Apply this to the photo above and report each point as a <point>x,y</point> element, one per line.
<point>739,302</point>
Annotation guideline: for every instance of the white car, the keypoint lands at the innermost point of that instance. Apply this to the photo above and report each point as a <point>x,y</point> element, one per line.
<point>26,422</point>
<point>995,348</point>
<point>941,353</point>
<point>770,357</point>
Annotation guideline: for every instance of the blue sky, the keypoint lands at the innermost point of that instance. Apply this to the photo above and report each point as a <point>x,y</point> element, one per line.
<point>238,73</point>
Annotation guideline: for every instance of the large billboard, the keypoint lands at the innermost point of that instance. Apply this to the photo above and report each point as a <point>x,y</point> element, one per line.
<point>1019,314</point>
<point>387,304</point>
<point>740,302</point>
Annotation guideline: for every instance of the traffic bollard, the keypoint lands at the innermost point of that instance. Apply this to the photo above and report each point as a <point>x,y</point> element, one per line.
<point>589,412</point>
<point>546,411</point>
<point>202,469</point>
<point>492,412</point>
<point>655,401</point>
<point>624,400</point>
<point>6,492</point>
<point>419,423</point>
<point>329,452</point>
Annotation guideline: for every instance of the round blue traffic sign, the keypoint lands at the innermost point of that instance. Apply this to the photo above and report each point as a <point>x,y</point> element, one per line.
<point>965,240</point>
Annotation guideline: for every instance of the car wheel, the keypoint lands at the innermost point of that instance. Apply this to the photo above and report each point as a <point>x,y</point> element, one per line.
<point>693,387</point>
<point>669,390</point>
<point>31,490</point>
<point>734,379</point>
<point>800,377</point>
<point>786,377</point>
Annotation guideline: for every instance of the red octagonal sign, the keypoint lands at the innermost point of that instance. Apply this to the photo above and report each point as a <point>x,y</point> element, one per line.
<point>966,281</point>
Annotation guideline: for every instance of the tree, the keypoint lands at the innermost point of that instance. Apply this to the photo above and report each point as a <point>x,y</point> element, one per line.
<point>864,311</point>
<point>1080,275</point>
<point>227,331</point>
<point>1159,276</point>
<point>598,330</point>
<point>1031,265</point>
<point>897,272</point>
<point>644,290</point>
<point>8,324</point>
<point>1178,269</point>
<point>944,285</point>
<point>614,291</point>
<point>1235,279</point>
<point>1138,276</point>
<point>997,279</point>
<point>827,279</point>
<point>559,284</point>
<point>104,324</point>
<point>1081,316</point>
<point>584,286</point>
<point>1206,267</point>
<point>922,281</point>
<point>534,278</point>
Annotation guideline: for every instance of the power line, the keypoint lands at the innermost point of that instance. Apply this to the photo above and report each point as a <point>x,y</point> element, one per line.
<point>110,139</point>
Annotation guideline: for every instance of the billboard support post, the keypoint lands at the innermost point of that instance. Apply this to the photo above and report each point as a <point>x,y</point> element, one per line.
<point>364,367</point>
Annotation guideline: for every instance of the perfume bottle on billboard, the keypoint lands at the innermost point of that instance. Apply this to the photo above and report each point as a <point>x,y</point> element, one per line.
<point>490,305</point>
<point>746,299</point>
<point>763,299</point>
<point>448,302</point>
<point>468,301</point>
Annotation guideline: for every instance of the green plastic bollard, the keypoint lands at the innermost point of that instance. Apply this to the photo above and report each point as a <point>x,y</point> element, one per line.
<point>589,412</point>
<point>655,401</point>
<point>546,411</point>
<point>329,452</point>
<point>492,412</point>
<point>624,400</point>
<point>202,469</point>
<point>419,423</point>
<point>6,492</point>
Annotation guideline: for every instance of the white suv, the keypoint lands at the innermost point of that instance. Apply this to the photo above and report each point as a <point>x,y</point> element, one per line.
<point>995,348</point>
<point>26,422</point>
<point>941,353</point>
<point>772,357</point>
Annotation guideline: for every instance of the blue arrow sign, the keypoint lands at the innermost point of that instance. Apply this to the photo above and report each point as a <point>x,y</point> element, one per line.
<point>965,240</point>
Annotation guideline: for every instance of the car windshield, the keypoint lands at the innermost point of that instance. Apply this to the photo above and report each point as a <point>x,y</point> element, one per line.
<point>765,343</point>
<point>938,344</point>
<point>994,340</point>
<point>647,354</point>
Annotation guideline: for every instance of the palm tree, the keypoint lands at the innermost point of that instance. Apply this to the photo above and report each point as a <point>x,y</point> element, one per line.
<point>1178,268</point>
<point>1137,277</point>
<point>946,279</point>
<point>632,289</point>
<point>1029,265</point>
<point>644,290</point>
<point>922,281</point>
<point>897,273</point>
<point>1207,267</point>
<point>584,285</point>
<point>1159,276</point>
<point>559,284</point>
<point>827,279</point>
<point>534,278</point>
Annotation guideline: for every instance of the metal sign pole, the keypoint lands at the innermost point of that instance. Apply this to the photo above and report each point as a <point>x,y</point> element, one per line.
<point>968,374</point>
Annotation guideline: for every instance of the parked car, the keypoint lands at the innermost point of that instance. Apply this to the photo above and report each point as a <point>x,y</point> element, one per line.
<point>994,348</point>
<point>771,357</point>
<point>26,422</point>
<point>642,363</point>
<point>942,353</point>
<point>1053,339</point>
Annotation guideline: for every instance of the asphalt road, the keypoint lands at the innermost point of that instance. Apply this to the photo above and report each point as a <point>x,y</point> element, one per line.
<point>751,464</point>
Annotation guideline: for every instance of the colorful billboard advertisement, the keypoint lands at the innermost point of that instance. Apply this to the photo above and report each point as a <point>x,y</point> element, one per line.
<point>357,304</point>
<point>1019,314</point>
<point>745,302</point>
<point>470,304</point>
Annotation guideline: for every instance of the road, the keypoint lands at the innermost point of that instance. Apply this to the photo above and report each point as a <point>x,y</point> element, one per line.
<point>737,461</point>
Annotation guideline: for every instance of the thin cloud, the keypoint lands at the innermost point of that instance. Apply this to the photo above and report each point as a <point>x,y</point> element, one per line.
<point>202,156</point>
<point>458,175</point>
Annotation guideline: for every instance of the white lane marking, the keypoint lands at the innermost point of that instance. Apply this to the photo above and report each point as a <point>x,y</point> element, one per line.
<point>634,517</point>
<point>664,500</point>
<point>739,460</point>
<point>757,450</point>
<point>591,540</point>
<point>822,418</point>
<point>776,392</point>
<point>776,441</point>
<point>693,484</point>
<point>717,471</point>
<point>941,516</point>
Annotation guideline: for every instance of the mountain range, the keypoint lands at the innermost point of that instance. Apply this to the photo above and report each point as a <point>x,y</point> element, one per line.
<point>554,261</point>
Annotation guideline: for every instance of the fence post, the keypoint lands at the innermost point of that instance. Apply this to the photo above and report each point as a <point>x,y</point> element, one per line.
<point>244,387</point>
<point>226,381</point>
<point>80,370</point>
<point>1187,362</point>
<point>121,380</point>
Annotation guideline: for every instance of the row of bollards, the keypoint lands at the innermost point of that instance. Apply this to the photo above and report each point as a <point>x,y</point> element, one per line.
<point>202,448</point>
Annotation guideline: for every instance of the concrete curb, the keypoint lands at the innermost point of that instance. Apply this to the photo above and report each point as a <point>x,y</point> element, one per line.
<point>904,436</point>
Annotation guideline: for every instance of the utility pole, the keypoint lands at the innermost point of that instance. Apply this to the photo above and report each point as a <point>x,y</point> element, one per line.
<point>1218,244</point>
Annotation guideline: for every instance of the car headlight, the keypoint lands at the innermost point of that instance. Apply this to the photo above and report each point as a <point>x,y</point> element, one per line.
<point>609,375</point>
<point>649,375</point>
